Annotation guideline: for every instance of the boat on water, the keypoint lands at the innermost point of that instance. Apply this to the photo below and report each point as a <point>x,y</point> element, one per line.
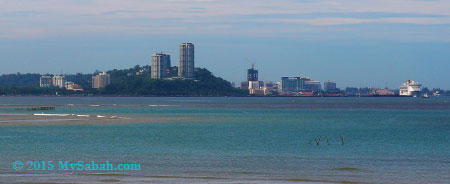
<point>436,93</point>
<point>410,88</point>
<point>425,95</point>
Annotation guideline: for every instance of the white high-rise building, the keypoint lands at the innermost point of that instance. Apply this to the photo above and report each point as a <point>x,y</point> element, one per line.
<point>160,64</point>
<point>59,81</point>
<point>186,66</point>
<point>101,80</point>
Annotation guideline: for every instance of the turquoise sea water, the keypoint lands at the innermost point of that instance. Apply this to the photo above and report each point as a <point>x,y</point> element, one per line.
<point>238,140</point>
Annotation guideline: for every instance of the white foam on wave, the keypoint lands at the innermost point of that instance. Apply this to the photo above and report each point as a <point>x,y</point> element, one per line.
<point>151,105</point>
<point>42,114</point>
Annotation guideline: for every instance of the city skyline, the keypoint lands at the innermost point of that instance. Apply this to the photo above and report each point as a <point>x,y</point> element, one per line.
<point>353,43</point>
<point>224,91</point>
<point>339,85</point>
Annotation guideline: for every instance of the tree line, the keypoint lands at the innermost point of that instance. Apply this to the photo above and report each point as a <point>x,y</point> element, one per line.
<point>125,82</point>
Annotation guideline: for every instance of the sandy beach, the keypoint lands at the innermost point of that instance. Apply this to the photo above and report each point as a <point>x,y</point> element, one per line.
<point>76,119</point>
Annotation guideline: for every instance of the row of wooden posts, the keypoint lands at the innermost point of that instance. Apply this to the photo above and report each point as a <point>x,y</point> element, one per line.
<point>317,140</point>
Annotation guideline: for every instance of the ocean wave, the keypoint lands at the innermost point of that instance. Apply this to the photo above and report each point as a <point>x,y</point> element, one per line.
<point>151,105</point>
<point>42,114</point>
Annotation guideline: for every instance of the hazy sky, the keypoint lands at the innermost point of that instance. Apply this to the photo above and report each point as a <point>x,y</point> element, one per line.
<point>352,42</point>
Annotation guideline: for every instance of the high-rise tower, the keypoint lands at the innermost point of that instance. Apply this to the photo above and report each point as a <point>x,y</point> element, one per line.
<point>252,74</point>
<point>160,64</point>
<point>59,81</point>
<point>186,66</point>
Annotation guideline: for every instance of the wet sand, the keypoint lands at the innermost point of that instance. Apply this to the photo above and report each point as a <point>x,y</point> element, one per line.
<point>74,119</point>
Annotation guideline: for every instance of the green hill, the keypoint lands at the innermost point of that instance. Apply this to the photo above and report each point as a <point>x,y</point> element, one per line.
<point>126,82</point>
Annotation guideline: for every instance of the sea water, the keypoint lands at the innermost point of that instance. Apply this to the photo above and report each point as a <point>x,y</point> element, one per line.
<point>236,140</point>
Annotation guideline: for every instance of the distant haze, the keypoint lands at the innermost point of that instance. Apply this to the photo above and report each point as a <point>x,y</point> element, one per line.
<point>352,42</point>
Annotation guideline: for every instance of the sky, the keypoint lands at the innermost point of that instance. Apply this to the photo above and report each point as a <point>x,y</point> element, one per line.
<point>351,42</point>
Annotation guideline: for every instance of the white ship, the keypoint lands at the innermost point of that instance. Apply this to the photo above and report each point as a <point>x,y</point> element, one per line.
<point>410,88</point>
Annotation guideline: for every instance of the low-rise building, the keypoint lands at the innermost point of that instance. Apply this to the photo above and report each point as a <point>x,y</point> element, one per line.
<point>256,88</point>
<point>45,81</point>
<point>382,92</point>
<point>292,84</point>
<point>312,86</point>
<point>143,71</point>
<point>329,86</point>
<point>244,85</point>
<point>73,87</point>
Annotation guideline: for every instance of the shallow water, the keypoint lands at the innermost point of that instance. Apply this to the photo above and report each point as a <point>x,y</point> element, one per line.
<point>238,140</point>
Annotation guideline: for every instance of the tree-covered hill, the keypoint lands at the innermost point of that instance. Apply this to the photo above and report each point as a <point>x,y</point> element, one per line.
<point>134,81</point>
<point>205,84</point>
<point>18,79</point>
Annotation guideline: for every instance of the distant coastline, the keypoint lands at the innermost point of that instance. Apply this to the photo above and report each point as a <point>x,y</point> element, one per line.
<point>126,82</point>
<point>242,96</point>
<point>136,82</point>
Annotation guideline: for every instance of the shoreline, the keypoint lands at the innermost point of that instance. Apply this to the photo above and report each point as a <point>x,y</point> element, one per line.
<point>85,119</point>
<point>150,96</point>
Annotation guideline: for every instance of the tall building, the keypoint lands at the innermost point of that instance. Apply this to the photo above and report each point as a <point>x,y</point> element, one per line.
<point>329,86</point>
<point>244,85</point>
<point>186,66</point>
<point>101,80</point>
<point>45,82</point>
<point>160,64</point>
<point>252,74</point>
<point>59,81</point>
<point>352,91</point>
<point>292,84</point>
